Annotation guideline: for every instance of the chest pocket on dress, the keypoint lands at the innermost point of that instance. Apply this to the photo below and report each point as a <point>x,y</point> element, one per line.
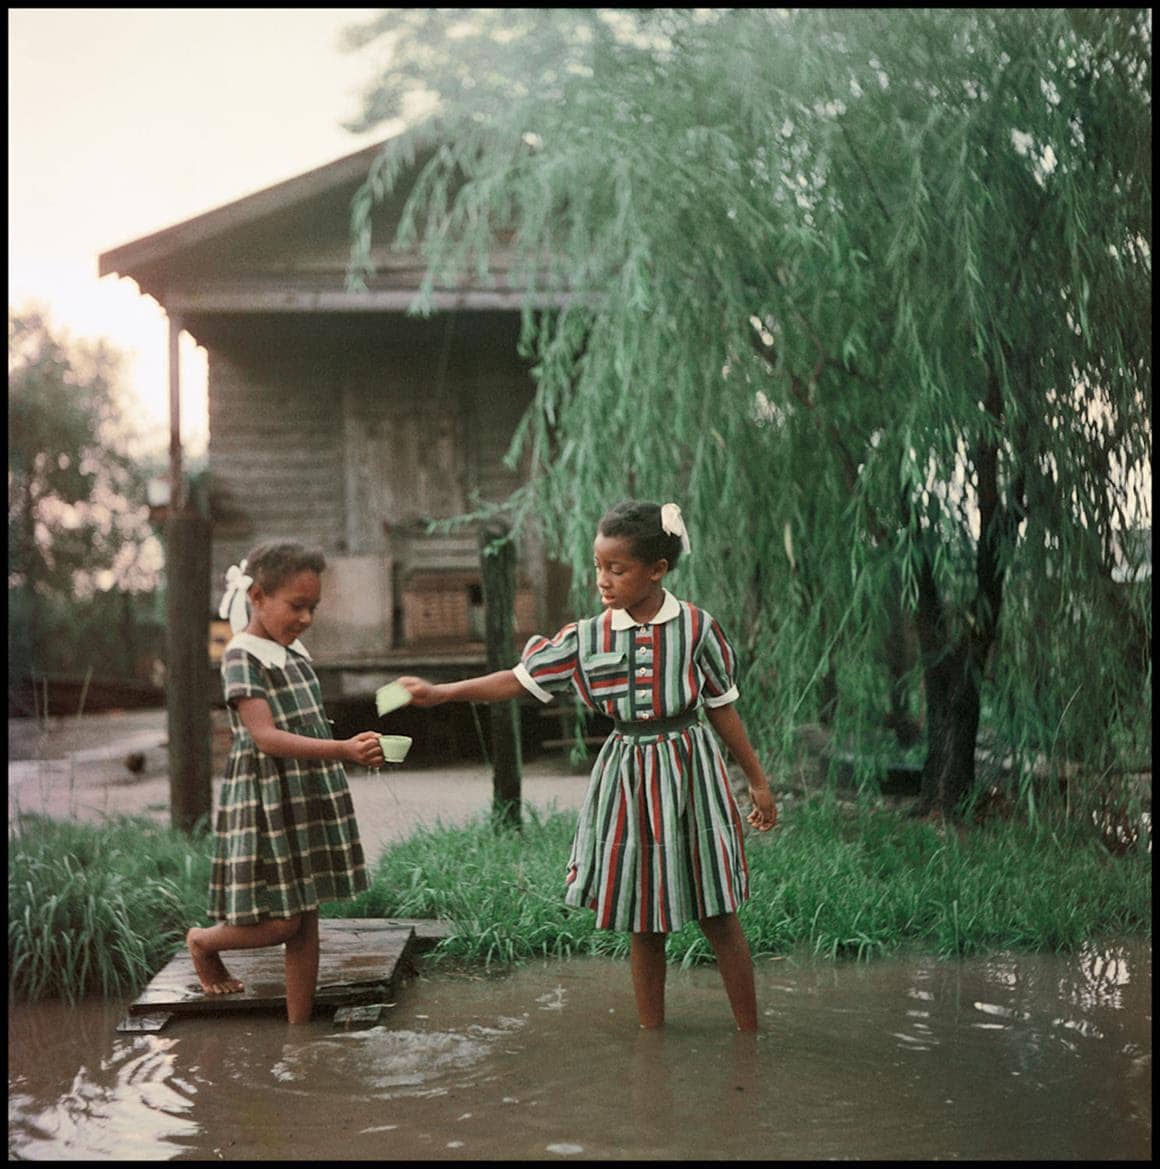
<point>606,673</point>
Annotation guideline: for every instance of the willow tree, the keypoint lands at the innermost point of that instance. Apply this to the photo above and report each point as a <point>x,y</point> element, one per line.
<point>868,292</point>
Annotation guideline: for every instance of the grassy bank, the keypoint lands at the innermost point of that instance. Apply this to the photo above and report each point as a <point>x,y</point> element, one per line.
<point>833,881</point>
<point>100,909</point>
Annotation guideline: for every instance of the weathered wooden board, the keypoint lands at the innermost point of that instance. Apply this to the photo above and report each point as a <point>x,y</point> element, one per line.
<point>360,962</point>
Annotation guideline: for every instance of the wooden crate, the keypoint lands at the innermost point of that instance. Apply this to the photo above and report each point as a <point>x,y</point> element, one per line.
<point>436,607</point>
<point>445,606</point>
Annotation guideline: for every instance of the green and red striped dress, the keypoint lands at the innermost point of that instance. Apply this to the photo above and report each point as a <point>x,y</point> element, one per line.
<point>659,841</point>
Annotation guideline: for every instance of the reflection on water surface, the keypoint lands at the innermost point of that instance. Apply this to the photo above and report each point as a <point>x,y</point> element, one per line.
<point>1011,1057</point>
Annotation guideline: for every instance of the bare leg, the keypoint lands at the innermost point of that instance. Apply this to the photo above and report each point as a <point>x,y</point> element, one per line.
<point>205,946</point>
<point>302,969</point>
<point>650,1090</point>
<point>725,935</point>
<point>648,978</point>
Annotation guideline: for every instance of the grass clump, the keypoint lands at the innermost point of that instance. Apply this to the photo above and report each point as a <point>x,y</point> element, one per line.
<point>502,891</point>
<point>861,882</point>
<point>98,909</point>
<point>835,881</point>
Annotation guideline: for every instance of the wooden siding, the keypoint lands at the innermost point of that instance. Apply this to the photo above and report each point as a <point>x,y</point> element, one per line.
<point>338,420</point>
<point>275,453</point>
<point>353,433</point>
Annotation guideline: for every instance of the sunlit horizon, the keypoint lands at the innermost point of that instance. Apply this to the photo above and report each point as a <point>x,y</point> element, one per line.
<point>114,134</point>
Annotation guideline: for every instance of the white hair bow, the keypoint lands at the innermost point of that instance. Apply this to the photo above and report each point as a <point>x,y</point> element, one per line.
<point>235,605</point>
<point>674,523</point>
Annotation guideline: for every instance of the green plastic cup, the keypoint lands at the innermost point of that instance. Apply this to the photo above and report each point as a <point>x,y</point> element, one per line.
<point>391,697</point>
<point>395,747</point>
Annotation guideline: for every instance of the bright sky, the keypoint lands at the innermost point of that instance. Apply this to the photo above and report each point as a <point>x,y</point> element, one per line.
<point>123,121</point>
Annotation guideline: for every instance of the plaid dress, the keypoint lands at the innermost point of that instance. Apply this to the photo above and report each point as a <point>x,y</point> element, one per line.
<point>659,839</point>
<point>285,833</point>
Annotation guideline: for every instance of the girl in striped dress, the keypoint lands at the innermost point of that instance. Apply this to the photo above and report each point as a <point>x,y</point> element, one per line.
<point>285,835</point>
<point>659,839</point>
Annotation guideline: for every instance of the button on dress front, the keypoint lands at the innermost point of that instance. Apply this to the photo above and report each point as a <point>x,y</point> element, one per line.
<point>286,837</point>
<point>659,841</point>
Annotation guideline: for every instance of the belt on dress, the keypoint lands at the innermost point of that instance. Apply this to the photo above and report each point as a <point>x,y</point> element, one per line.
<point>656,726</point>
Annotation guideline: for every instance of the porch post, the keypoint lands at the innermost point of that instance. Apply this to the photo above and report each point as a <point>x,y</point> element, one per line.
<point>497,559</point>
<point>187,604</point>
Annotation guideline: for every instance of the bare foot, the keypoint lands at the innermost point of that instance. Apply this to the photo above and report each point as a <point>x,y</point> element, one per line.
<point>211,970</point>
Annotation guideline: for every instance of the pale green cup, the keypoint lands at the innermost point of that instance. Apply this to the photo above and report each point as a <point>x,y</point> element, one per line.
<point>395,747</point>
<point>391,697</point>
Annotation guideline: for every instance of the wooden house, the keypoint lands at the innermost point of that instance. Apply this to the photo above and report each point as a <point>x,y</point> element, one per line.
<point>337,419</point>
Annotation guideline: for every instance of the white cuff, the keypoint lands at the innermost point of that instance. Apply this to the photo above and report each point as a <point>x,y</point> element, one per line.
<point>529,683</point>
<point>730,695</point>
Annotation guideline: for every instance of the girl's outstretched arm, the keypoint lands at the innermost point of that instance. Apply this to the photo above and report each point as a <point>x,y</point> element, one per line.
<point>258,719</point>
<point>727,723</point>
<point>497,687</point>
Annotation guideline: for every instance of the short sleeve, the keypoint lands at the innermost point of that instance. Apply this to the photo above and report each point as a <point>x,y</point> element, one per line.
<point>717,662</point>
<point>548,665</point>
<point>242,676</point>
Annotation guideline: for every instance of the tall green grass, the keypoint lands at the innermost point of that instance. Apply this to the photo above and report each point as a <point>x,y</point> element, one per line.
<point>501,891</point>
<point>99,909</point>
<point>862,882</point>
<point>833,881</point>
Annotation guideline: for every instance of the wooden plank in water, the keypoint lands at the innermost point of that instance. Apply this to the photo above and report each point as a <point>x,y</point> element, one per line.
<point>362,1017</point>
<point>429,931</point>
<point>144,1022</point>
<point>361,960</point>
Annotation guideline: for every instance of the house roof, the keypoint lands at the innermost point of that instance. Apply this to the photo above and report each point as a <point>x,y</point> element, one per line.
<point>286,249</point>
<point>148,250</point>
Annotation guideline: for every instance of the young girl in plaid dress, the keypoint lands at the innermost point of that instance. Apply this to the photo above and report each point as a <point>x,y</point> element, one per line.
<point>659,839</point>
<point>285,834</point>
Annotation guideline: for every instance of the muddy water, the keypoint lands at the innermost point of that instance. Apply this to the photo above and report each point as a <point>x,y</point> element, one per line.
<point>1035,1057</point>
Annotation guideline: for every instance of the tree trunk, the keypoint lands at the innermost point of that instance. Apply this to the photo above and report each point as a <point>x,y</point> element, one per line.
<point>901,657</point>
<point>952,729</point>
<point>952,671</point>
<point>953,663</point>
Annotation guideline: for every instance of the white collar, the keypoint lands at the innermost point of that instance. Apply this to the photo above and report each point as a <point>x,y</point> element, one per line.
<point>670,608</point>
<point>268,652</point>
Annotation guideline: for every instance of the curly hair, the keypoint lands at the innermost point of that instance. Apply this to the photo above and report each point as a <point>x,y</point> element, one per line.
<point>274,562</point>
<point>639,522</point>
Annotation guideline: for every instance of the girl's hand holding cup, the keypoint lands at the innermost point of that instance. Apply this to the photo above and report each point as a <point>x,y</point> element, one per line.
<point>364,748</point>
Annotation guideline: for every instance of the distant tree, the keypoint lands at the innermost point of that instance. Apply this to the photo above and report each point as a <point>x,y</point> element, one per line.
<point>869,291</point>
<point>78,527</point>
<point>477,61</point>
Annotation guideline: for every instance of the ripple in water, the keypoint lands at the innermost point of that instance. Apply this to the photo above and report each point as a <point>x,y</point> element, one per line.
<point>139,1115</point>
<point>382,1059</point>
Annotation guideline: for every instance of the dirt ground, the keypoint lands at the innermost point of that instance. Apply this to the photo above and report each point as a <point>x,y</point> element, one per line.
<point>96,765</point>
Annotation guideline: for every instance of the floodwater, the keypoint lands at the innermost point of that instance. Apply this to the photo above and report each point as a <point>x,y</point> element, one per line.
<point>1035,1057</point>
